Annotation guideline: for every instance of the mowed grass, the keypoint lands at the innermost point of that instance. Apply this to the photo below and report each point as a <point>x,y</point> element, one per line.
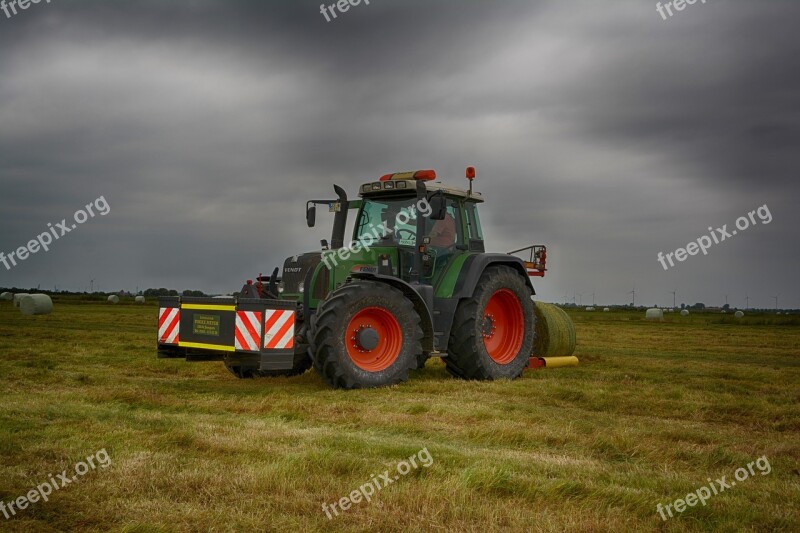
<point>652,412</point>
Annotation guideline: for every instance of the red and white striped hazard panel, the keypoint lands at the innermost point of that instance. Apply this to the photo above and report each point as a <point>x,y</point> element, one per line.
<point>279,329</point>
<point>169,325</point>
<point>248,330</point>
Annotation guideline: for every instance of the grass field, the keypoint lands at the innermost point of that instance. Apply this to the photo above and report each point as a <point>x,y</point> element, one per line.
<point>653,411</point>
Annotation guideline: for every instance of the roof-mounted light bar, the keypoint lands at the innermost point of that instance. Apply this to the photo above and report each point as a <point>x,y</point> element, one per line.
<point>424,175</point>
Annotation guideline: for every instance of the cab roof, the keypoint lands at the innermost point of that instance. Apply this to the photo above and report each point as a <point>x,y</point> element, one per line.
<point>406,187</point>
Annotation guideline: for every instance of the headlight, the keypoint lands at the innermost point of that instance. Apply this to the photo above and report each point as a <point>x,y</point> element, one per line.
<point>280,288</point>
<point>301,287</point>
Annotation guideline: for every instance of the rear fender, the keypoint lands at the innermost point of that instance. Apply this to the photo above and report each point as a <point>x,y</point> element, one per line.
<point>476,264</point>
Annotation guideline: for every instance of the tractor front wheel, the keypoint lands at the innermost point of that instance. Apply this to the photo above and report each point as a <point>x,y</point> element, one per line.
<point>302,362</point>
<point>365,334</point>
<point>493,332</point>
<point>242,371</point>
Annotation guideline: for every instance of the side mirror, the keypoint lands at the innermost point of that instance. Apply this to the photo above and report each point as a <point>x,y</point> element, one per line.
<point>311,216</point>
<point>438,206</point>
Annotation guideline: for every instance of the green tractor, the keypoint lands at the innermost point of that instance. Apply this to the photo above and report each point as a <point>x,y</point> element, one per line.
<point>414,282</point>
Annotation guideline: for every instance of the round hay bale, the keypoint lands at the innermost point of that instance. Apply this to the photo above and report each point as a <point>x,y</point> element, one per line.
<point>739,314</point>
<point>18,298</point>
<point>555,332</point>
<point>606,310</point>
<point>36,304</point>
<point>113,299</point>
<point>685,312</point>
<point>590,308</point>
<point>6,297</point>
<point>140,299</point>
<point>654,314</point>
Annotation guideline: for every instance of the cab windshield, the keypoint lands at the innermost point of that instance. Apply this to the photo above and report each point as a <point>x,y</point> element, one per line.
<point>388,221</point>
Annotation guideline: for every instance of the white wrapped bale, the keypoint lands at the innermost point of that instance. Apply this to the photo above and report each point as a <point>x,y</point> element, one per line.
<point>654,314</point>
<point>739,314</point>
<point>140,299</point>
<point>36,304</point>
<point>18,298</point>
<point>113,299</point>
<point>606,310</point>
<point>590,308</point>
<point>6,297</point>
<point>685,312</point>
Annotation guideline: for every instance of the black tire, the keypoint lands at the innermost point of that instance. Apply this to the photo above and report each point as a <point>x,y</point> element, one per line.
<point>330,336</point>
<point>467,356</point>
<point>302,362</point>
<point>242,371</point>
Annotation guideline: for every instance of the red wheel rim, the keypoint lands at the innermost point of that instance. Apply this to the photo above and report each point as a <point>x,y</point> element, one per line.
<point>389,342</point>
<point>503,326</point>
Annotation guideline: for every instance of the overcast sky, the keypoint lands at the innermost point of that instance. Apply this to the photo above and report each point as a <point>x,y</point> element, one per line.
<point>597,128</point>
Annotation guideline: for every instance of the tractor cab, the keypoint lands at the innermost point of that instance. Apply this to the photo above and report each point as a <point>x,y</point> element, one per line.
<point>426,224</point>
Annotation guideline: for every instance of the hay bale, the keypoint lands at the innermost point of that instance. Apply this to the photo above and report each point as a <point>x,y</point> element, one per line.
<point>654,314</point>
<point>113,299</point>
<point>739,314</point>
<point>606,310</point>
<point>139,299</point>
<point>555,332</point>
<point>685,312</point>
<point>18,298</point>
<point>590,308</point>
<point>36,304</point>
<point>6,297</point>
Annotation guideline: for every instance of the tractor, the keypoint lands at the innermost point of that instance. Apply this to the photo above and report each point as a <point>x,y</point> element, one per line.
<point>413,282</point>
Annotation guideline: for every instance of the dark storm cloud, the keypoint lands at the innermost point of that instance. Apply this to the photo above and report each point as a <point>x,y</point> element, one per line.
<point>597,128</point>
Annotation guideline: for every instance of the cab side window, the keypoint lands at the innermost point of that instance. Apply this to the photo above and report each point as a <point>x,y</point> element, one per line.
<point>447,233</point>
<point>475,231</point>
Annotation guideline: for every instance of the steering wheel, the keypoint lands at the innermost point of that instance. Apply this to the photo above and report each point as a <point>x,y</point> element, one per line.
<point>411,234</point>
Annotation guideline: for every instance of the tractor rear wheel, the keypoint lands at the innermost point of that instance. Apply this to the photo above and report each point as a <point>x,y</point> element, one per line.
<point>493,332</point>
<point>365,334</point>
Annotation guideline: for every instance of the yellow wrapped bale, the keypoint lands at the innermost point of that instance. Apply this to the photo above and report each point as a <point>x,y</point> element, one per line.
<point>555,332</point>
